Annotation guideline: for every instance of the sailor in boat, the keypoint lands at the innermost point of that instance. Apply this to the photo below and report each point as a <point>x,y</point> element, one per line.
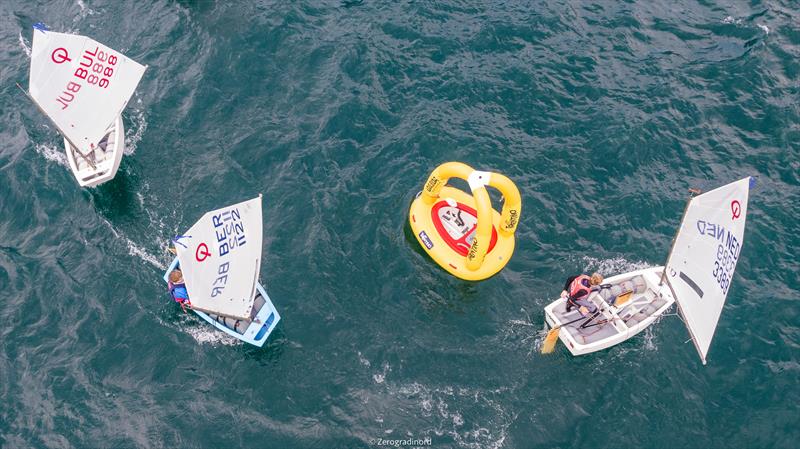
<point>577,291</point>
<point>177,288</point>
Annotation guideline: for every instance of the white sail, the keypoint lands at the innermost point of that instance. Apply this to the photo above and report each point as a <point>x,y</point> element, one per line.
<point>704,257</point>
<point>80,84</point>
<point>220,257</point>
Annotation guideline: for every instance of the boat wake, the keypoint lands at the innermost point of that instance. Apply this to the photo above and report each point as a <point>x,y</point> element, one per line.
<point>134,133</point>
<point>85,11</point>
<point>524,333</point>
<point>52,154</point>
<point>612,266</point>
<point>441,407</point>
<point>462,416</point>
<point>730,20</point>
<point>136,250</point>
<point>631,352</point>
<point>197,329</point>
<point>25,47</point>
<point>649,339</point>
<point>204,334</point>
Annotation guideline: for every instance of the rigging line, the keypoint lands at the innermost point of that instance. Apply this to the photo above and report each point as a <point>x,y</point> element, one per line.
<point>675,314</point>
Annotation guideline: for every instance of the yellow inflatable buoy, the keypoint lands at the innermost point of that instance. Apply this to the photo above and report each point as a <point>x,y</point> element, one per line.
<point>462,232</point>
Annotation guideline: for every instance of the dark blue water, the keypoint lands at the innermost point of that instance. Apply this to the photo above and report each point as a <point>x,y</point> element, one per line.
<point>602,113</point>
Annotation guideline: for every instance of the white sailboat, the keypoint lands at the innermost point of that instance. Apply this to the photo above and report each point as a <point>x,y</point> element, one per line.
<point>220,260</point>
<point>697,276</point>
<point>83,86</point>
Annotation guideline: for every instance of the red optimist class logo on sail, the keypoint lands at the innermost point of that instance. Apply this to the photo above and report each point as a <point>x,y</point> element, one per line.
<point>736,209</point>
<point>201,253</point>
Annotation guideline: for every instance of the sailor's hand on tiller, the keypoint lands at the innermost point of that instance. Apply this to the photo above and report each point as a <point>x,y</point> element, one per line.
<point>583,310</point>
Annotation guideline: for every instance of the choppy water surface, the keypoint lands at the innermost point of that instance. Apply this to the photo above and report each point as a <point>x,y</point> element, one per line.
<point>603,113</point>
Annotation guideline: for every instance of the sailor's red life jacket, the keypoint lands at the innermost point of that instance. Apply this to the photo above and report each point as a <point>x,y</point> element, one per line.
<point>580,287</point>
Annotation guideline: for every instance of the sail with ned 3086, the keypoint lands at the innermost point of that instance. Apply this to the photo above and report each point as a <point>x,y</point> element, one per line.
<point>80,84</point>
<point>220,256</point>
<point>701,265</point>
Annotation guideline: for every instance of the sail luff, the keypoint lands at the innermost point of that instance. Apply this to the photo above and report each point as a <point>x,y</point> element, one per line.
<point>692,193</point>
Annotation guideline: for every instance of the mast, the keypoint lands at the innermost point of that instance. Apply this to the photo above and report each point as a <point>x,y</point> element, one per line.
<point>692,193</point>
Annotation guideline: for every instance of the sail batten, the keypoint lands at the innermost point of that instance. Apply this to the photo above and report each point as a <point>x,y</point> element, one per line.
<point>704,257</point>
<point>220,256</point>
<point>80,84</point>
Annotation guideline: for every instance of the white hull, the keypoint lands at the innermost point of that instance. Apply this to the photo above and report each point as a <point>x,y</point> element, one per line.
<point>105,157</point>
<point>646,304</point>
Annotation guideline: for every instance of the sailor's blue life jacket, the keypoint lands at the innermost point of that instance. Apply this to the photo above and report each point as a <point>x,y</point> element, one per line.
<point>178,292</point>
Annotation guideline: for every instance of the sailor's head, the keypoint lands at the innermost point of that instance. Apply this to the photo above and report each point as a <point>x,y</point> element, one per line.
<point>176,276</point>
<point>597,279</point>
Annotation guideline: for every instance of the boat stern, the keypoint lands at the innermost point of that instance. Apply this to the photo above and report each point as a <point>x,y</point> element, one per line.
<point>555,315</point>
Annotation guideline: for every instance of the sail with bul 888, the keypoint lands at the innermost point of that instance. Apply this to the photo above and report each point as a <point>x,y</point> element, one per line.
<point>80,84</point>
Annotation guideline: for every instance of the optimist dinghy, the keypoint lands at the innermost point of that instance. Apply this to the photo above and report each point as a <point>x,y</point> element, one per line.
<point>698,275</point>
<point>220,259</point>
<point>82,86</point>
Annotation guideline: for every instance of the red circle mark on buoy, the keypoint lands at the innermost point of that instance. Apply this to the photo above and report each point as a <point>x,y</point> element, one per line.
<point>61,54</point>
<point>736,209</point>
<point>204,252</point>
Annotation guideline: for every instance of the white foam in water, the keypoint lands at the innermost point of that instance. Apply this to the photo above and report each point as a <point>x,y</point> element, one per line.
<point>731,19</point>
<point>764,28</point>
<point>85,10</point>
<point>200,330</point>
<point>24,46</point>
<point>610,267</point>
<point>380,378</point>
<point>135,250</point>
<point>437,405</point>
<point>155,218</point>
<point>523,332</point>
<point>52,154</point>
<point>205,334</point>
<point>649,338</point>
<point>134,133</point>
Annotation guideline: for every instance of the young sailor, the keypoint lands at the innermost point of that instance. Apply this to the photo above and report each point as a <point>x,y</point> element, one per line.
<point>177,288</point>
<point>577,290</point>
